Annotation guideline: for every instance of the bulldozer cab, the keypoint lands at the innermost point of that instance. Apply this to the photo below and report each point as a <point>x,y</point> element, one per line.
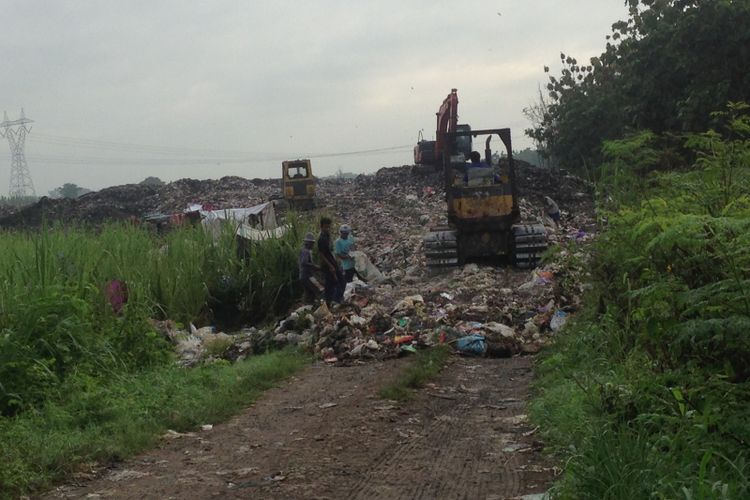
<point>484,194</point>
<point>298,184</point>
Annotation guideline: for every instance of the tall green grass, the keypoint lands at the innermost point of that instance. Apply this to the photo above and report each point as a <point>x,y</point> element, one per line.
<point>56,319</point>
<point>81,382</point>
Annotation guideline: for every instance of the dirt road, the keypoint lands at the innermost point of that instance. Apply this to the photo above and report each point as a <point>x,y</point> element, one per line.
<point>326,434</point>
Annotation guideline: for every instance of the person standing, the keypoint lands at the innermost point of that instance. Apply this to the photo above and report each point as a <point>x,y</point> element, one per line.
<point>307,268</point>
<point>552,210</point>
<point>344,244</point>
<point>334,277</point>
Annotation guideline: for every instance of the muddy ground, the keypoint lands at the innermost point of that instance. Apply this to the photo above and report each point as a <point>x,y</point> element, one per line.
<point>327,435</point>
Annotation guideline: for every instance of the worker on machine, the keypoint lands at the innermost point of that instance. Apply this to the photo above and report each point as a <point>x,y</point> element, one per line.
<point>476,160</point>
<point>307,267</point>
<point>334,277</point>
<point>478,177</point>
<point>552,211</point>
<point>344,244</point>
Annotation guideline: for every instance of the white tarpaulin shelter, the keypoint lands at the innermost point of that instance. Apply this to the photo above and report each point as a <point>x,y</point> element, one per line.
<point>253,223</point>
<point>261,216</point>
<point>250,233</point>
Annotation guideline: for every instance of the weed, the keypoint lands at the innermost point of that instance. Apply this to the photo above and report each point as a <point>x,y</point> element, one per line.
<point>426,365</point>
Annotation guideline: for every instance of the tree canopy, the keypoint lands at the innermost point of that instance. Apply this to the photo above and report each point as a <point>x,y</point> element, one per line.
<point>69,190</point>
<point>665,69</point>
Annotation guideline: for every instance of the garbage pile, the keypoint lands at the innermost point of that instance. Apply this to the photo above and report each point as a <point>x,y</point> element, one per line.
<point>389,212</point>
<point>133,201</point>
<point>480,310</point>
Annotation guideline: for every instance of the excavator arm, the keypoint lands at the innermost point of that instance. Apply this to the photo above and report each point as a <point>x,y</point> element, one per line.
<point>447,121</point>
<point>431,152</point>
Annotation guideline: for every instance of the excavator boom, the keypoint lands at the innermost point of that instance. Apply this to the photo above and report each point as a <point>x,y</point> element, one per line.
<point>431,152</point>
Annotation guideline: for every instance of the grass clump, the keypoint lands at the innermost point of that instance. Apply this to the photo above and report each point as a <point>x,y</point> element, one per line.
<point>106,421</point>
<point>426,365</point>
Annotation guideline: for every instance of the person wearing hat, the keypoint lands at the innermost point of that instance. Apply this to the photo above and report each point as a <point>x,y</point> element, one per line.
<point>344,244</point>
<point>552,211</point>
<point>307,268</point>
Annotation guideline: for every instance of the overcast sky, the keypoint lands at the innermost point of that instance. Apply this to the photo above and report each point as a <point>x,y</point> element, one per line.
<point>120,90</point>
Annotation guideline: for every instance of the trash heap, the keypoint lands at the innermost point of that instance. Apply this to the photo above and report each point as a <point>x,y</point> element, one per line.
<point>137,200</point>
<point>484,310</point>
<point>478,310</point>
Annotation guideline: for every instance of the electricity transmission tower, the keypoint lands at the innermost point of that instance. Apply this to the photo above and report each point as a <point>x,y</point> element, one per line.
<point>20,178</point>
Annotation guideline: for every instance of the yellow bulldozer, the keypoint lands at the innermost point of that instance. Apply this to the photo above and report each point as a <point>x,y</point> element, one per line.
<point>298,184</point>
<point>483,213</point>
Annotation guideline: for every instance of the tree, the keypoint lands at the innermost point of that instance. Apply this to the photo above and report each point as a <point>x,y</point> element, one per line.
<point>665,68</point>
<point>538,114</point>
<point>152,181</point>
<point>68,190</point>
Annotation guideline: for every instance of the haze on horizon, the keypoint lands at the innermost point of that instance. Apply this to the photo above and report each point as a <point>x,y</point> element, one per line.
<point>120,91</point>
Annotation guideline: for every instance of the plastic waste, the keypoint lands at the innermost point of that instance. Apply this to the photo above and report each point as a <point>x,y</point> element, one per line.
<point>472,344</point>
<point>558,320</point>
<point>402,339</point>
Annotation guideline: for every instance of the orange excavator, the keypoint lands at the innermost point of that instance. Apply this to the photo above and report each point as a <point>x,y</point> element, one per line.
<point>431,152</point>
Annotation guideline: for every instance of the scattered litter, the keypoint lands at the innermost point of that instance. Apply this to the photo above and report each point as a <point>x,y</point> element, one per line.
<point>394,305</point>
<point>327,405</point>
<point>513,447</point>
<point>472,344</point>
<point>558,320</point>
<point>531,432</point>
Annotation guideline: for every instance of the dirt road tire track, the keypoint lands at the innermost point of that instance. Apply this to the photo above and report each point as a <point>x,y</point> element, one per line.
<point>461,437</point>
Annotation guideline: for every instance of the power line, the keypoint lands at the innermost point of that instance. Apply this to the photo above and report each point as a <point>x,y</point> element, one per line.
<point>132,147</point>
<point>86,160</point>
<point>210,154</point>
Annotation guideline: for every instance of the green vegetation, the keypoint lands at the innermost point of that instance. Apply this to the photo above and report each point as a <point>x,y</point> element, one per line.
<point>17,201</point>
<point>425,366</point>
<point>528,155</point>
<point>647,394</point>
<point>57,319</point>
<point>107,420</point>
<point>83,374</point>
<point>665,69</point>
<point>69,190</point>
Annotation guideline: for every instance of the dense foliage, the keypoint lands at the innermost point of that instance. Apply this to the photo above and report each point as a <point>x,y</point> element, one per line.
<point>648,394</point>
<point>665,68</point>
<point>83,374</point>
<point>58,320</point>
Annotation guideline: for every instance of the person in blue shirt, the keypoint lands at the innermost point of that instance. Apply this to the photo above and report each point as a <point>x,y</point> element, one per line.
<point>344,244</point>
<point>477,162</point>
